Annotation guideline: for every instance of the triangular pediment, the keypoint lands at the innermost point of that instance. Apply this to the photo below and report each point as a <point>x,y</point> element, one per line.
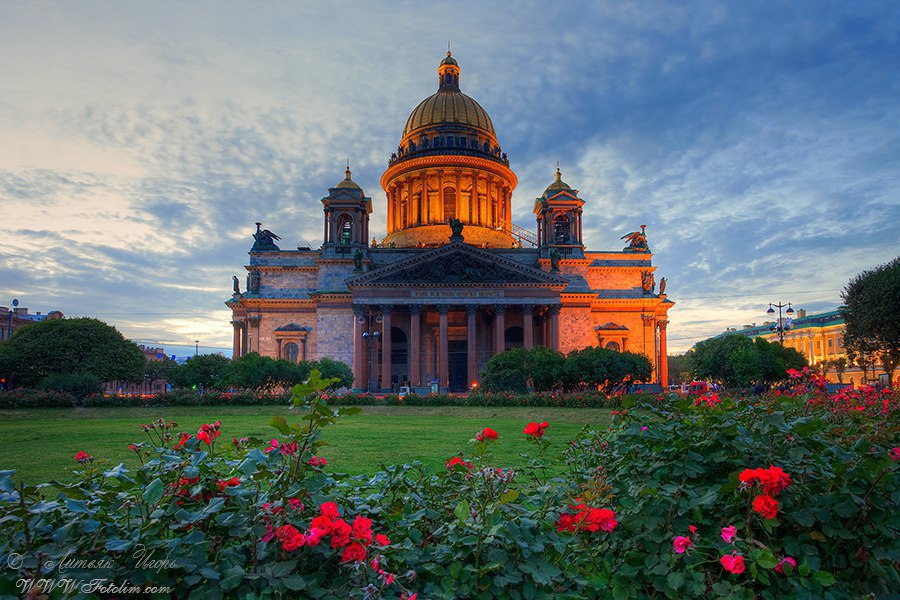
<point>457,264</point>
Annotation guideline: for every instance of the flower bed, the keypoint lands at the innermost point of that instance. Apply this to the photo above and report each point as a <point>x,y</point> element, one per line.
<point>770,498</point>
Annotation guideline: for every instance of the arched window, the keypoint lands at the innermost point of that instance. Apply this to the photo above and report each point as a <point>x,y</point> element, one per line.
<point>449,203</point>
<point>345,230</point>
<point>291,351</point>
<point>612,346</point>
<point>561,230</point>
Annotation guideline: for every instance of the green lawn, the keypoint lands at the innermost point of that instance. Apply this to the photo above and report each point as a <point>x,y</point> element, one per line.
<point>40,443</point>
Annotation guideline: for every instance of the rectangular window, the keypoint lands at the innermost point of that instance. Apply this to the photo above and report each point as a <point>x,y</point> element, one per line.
<point>831,343</point>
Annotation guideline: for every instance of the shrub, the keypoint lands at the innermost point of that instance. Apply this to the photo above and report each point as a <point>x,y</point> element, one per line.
<point>789,496</point>
<point>78,385</point>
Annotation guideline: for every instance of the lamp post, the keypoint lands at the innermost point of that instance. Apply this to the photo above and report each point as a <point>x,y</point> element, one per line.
<point>12,310</point>
<point>782,324</point>
<point>372,319</point>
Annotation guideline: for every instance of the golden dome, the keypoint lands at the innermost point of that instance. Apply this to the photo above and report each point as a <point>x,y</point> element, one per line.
<point>449,106</point>
<point>557,185</point>
<point>347,182</point>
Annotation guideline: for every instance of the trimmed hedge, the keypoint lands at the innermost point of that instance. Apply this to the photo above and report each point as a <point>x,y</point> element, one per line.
<point>537,399</point>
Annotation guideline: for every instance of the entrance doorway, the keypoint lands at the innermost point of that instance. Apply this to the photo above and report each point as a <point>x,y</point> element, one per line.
<point>457,356</point>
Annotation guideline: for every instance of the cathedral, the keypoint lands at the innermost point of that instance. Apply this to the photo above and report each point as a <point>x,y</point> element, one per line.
<point>453,281</point>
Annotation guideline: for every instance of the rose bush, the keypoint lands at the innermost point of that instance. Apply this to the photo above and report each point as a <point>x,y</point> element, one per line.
<point>765,497</point>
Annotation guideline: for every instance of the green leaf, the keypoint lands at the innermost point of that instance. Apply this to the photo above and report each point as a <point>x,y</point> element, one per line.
<point>675,580</point>
<point>508,496</point>
<point>824,578</point>
<point>767,560</point>
<point>281,425</point>
<point>153,492</point>
<point>294,582</point>
<point>462,511</point>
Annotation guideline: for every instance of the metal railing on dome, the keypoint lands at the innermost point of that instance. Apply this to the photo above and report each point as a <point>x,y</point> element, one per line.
<point>520,233</point>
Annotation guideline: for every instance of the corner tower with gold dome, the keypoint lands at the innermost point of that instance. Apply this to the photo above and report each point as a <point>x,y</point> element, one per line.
<point>453,281</point>
<point>449,165</point>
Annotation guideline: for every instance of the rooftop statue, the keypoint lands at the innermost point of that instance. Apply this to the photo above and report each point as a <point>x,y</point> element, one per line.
<point>456,228</point>
<point>554,260</point>
<point>265,240</point>
<point>637,241</point>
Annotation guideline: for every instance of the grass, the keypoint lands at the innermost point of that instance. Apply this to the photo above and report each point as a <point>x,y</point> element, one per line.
<point>40,443</point>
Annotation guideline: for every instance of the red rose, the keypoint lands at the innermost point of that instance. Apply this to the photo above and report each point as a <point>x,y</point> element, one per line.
<point>322,522</point>
<point>457,461</point>
<point>353,552</point>
<point>681,544</point>
<point>382,540</point>
<point>779,568</point>
<point>486,434</point>
<point>340,533</point>
<point>330,510</point>
<point>288,449</point>
<point>536,430</point>
<point>314,536</point>
<point>566,523</point>
<point>767,506</point>
<point>83,457</point>
<point>362,529</point>
<point>290,537</point>
<point>733,563</point>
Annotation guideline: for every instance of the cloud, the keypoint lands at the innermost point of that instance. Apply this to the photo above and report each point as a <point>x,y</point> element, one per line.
<point>758,142</point>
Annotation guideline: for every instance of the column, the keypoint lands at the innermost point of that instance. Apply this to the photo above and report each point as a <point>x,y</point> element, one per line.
<point>457,197</point>
<point>476,206</point>
<point>278,356</point>
<point>236,340</point>
<point>390,209</point>
<point>423,199</point>
<point>245,330</point>
<point>472,374</point>
<point>528,325</point>
<point>359,349</point>
<point>440,202</point>
<point>386,366</point>
<point>415,345</point>
<point>663,357</point>
<point>443,351</point>
<point>554,326</point>
<point>254,332</point>
<point>499,328</point>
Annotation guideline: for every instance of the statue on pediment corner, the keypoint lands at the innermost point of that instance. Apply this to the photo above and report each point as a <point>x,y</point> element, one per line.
<point>265,240</point>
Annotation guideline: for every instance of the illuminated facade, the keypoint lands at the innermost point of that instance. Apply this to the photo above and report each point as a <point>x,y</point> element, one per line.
<point>453,281</point>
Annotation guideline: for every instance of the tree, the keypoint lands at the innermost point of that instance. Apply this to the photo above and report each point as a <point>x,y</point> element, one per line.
<point>334,369</point>
<point>159,370</point>
<point>506,372</point>
<point>871,314</point>
<point>545,368</point>
<point>201,372</point>
<point>253,371</point>
<point>679,368</point>
<point>64,346</point>
<point>840,367</point>
<point>739,361</point>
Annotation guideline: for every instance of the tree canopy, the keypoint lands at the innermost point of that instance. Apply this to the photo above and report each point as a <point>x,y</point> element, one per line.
<point>739,361</point>
<point>63,346</point>
<point>543,369</point>
<point>871,314</point>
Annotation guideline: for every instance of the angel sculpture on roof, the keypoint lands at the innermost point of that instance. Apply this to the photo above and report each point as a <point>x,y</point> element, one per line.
<point>637,241</point>
<point>265,240</point>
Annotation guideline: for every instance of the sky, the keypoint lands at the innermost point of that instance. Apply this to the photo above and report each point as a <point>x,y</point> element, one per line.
<point>139,142</point>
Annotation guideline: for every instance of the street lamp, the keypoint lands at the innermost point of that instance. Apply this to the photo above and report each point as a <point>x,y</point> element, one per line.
<point>15,303</point>
<point>782,324</point>
<point>372,320</point>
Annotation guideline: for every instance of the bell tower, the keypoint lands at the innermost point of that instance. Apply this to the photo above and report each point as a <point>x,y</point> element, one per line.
<point>558,214</point>
<point>347,211</point>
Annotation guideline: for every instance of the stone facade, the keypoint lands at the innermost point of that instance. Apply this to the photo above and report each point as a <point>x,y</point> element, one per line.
<point>453,281</point>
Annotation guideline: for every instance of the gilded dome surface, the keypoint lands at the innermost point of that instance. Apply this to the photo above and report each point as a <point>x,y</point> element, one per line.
<point>448,106</point>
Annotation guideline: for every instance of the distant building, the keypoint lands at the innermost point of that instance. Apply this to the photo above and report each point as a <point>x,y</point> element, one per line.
<point>13,318</point>
<point>818,337</point>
